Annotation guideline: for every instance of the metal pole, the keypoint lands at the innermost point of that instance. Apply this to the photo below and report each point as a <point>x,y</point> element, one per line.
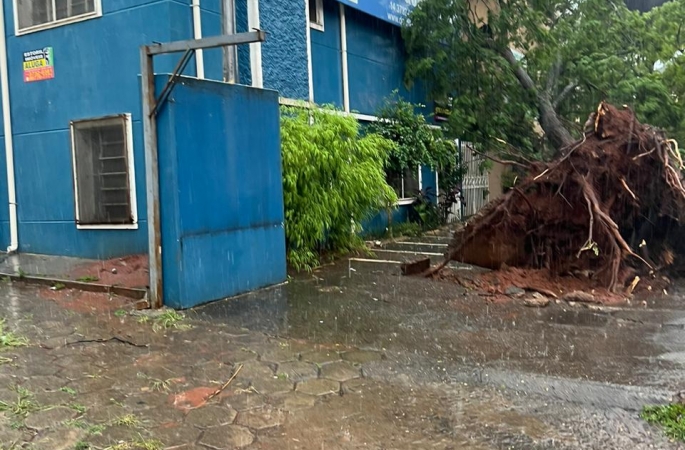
<point>151,178</point>
<point>230,58</point>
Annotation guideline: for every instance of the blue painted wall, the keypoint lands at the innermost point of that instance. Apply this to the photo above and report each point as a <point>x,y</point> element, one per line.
<point>375,58</point>
<point>285,51</point>
<point>379,223</point>
<point>327,58</point>
<point>96,74</point>
<point>221,191</point>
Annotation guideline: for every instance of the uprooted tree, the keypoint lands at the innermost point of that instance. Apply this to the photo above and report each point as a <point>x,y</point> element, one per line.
<point>611,199</point>
<point>611,205</point>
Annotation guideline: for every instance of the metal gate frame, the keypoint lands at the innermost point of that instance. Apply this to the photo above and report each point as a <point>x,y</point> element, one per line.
<point>151,107</point>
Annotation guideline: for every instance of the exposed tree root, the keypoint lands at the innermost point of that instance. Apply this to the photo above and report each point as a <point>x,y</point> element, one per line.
<point>617,188</point>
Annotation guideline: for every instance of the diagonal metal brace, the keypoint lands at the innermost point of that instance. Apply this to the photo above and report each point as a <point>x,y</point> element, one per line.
<point>171,82</point>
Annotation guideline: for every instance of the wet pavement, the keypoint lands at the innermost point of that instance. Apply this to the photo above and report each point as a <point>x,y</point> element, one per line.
<point>350,356</point>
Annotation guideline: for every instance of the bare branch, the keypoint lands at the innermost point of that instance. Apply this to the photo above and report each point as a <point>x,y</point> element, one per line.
<point>563,94</point>
<point>553,74</point>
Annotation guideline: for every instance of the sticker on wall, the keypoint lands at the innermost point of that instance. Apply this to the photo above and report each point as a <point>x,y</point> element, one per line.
<point>39,65</point>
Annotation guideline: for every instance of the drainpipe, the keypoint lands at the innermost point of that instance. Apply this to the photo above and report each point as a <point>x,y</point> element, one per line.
<point>230,58</point>
<point>7,126</point>
<point>255,48</point>
<point>197,34</point>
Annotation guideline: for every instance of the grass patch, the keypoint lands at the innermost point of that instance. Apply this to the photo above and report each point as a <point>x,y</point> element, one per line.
<point>169,319</point>
<point>22,406</point>
<point>68,390</point>
<point>129,420</point>
<point>58,286</point>
<point>87,279</point>
<point>140,444</point>
<point>119,313</point>
<point>409,229</point>
<point>670,417</point>
<point>143,319</point>
<point>78,408</point>
<point>10,340</point>
<point>157,384</point>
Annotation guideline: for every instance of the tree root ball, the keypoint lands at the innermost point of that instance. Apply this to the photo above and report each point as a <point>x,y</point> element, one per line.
<point>609,205</point>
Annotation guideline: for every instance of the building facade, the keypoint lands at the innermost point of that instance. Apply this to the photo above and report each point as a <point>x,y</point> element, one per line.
<point>72,125</point>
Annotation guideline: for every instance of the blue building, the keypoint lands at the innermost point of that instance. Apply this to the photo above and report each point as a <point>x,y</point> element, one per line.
<point>71,99</point>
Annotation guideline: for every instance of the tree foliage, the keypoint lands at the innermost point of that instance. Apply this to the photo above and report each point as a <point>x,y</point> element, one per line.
<point>416,142</point>
<point>333,178</point>
<point>569,55</point>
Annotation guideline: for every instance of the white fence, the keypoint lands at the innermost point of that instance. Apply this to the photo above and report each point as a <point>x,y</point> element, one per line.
<point>475,185</point>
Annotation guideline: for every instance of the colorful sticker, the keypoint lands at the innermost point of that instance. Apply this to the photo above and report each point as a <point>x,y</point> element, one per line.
<point>39,65</point>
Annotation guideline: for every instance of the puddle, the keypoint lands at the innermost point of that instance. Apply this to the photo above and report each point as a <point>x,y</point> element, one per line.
<point>578,317</point>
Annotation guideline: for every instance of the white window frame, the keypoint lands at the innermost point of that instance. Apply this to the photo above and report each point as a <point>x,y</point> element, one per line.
<point>131,175</point>
<point>56,23</point>
<point>317,22</point>
<point>409,200</point>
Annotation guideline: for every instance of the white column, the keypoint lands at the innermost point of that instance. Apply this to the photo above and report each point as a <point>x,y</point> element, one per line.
<point>343,50</point>
<point>256,47</point>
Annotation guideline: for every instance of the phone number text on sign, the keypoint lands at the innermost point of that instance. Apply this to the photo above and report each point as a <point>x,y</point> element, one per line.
<point>39,74</point>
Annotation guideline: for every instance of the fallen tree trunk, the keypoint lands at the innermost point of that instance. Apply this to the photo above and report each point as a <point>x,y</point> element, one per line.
<point>610,206</point>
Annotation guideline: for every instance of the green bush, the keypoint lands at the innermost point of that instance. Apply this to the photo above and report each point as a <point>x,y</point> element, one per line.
<point>333,178</point>
<point>417,143</point>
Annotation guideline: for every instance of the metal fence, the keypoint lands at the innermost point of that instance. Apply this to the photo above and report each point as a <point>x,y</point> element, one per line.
<point>475,189</point>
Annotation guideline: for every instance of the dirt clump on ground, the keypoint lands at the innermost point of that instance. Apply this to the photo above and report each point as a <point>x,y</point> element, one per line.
<point>129,271</point>
<point>607,210</point>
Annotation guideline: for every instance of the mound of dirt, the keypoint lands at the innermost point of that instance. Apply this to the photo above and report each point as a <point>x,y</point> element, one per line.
<point>609,207</point>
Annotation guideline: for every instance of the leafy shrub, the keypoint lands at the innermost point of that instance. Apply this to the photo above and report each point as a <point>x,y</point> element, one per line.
<point>417,143</point>
<point>670,417</point>
<point>333,178</point>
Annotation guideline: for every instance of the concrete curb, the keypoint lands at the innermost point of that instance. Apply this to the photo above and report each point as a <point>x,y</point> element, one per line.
<point>133,293</point>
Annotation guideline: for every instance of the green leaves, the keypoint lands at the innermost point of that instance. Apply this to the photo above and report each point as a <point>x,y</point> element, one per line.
<point>670,417</point>
<point>598,49</point>
<point>333,178</point>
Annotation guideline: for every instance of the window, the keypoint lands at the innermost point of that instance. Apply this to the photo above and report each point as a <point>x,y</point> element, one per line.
<point>31,15</point>
<point>104,179</point>
<point>316,14</point>
<point>406,185</point>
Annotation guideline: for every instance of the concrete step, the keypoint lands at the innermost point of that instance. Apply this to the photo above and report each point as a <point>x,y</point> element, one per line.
<point>417,247</point>
<point>406,256</point>
<point>428,239</point>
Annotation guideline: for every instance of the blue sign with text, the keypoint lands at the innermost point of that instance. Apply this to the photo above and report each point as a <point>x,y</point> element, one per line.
<point>393,11</point>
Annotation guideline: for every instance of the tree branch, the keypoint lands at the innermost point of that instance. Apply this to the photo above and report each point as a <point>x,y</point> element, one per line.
<point>555,131</point>
<point>553,74</point>
<point>563,94</point>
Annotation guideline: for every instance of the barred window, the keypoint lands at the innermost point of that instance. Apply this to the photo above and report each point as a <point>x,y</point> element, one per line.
<point>38,14</point>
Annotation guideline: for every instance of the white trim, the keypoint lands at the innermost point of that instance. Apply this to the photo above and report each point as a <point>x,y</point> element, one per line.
<point>55,23</point>
<point>364,117</point>
<point>131,177</point>
<point>405,201</point>
<point>310,69</point>
<point>9,143</point>
<point>420,179</point>
<point>343,57</point>
<point>437,186</point>
<point>255,47</point>
<point>318,22</point>
<point>197,34</point>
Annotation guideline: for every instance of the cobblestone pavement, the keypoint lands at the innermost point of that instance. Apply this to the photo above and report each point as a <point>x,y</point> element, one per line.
<point>70,379</point>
